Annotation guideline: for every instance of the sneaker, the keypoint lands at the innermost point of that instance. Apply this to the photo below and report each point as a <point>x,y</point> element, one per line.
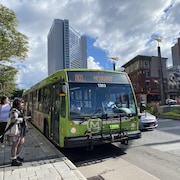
<point>20,159</point>
<point>15,163</point>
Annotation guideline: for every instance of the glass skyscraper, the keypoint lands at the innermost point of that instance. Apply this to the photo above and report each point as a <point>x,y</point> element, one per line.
<point>66,47</point>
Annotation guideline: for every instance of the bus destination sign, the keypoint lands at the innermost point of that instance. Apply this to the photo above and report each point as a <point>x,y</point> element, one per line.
<point>97,77</point>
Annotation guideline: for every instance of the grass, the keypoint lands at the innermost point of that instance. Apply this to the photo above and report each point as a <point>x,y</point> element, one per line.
<point>174,113</point>
<point>154,110</point>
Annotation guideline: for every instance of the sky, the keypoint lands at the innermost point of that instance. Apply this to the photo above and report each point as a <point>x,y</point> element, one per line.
<point>114,28</point>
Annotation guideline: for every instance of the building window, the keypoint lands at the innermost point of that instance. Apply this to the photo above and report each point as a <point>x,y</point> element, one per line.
<point>147,84</point>
<point>147,74</point>
<point>146,64</point>
<point>156,84</point>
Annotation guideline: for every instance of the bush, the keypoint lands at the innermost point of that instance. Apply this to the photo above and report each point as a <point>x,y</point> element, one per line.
<point>175,113</point>
<point>152,108</point>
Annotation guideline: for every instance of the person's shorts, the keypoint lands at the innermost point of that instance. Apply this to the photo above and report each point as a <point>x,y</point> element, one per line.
<point>15,138</point>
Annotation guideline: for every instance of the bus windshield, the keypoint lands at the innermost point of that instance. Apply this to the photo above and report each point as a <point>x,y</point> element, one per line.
<point>96,99</point>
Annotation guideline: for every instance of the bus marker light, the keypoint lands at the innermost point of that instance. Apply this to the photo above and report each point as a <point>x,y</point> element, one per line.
<point>133,125</point>
<point>71,123</point>
<point>62,94</point>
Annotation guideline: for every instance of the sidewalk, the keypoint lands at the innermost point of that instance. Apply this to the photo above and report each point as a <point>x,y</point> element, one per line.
<point>42,161</point>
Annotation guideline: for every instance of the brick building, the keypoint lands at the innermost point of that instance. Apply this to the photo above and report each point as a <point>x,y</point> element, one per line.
<point>144,72</point>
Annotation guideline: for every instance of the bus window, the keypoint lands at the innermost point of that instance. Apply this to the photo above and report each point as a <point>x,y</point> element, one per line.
<point>40,100</point>
<point>35,102</point>
<point>63,105</point>
<point>88,100</point>
<point>46,100</point>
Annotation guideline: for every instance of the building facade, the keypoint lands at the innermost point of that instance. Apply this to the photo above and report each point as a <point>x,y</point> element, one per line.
<point>144,72</point>
<point>174,82</point>
<point>176,53</point>
<point>174,73</point>
<point>66,48</point>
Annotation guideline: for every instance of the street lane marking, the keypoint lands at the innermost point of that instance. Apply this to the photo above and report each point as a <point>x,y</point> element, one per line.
<point>164,120</point>
<point>168,128</point>
<point>167,147</point>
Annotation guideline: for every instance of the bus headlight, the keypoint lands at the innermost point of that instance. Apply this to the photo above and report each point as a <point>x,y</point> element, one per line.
<point>133,125</point>
<point>73,130</point>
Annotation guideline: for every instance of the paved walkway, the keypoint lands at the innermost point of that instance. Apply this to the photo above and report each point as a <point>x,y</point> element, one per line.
<point>42,161</point>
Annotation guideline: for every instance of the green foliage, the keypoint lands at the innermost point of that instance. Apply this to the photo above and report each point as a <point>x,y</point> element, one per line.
<point>13,46</point>
<point>152,108</point>
<point>7,85</point>
<point>17,93</point>
<point>13,43</point>
<point>174,113</point>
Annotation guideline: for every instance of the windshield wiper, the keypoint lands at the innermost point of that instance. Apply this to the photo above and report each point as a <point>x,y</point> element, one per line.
<point>93,116</point>
<point>84,119</point>
<point>97,111</point>
<point>117,115</point>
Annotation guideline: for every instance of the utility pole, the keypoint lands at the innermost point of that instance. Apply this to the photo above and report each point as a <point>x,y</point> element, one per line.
<point>161,73</point>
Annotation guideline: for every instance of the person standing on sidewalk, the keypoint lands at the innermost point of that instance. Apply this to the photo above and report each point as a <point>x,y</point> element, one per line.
<point>18,130</point>
<point>4,115</point>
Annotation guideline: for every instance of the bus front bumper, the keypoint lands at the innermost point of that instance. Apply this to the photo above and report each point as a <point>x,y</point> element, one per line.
<point>134,134</point>
<point>94,140</point>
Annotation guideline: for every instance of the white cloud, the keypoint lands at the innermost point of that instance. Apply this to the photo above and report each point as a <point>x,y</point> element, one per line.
<point>92,64</point>
<point>121,28</point>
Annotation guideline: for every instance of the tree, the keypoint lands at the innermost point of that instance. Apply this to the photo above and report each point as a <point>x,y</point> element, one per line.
<point>7,85</point>
<point>13,46</point>
<point>17,93</point>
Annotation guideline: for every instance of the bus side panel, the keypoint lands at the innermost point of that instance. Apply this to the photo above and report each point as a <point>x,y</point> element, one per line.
<point>38,120</point>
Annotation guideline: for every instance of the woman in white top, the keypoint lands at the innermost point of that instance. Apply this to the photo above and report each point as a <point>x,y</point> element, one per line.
<point>4,115</point>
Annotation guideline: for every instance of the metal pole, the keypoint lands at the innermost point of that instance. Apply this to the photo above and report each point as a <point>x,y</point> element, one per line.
<point>161,77</point>
<point>114,66</point>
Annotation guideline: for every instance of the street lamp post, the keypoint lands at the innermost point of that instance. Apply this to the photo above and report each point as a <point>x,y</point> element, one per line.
<point>161,73</point>
<point>114,64</point>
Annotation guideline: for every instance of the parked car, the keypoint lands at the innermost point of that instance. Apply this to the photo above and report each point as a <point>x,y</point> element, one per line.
<point>147,121</point>
<point>171,101</point>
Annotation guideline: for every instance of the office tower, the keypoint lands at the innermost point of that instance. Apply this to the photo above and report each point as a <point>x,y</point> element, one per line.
<point>176,53</point>
<point>66,47</point>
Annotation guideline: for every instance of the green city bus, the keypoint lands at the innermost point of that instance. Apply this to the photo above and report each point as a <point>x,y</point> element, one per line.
<point>67,107</point>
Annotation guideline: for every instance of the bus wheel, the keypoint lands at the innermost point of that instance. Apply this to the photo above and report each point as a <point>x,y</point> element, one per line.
<point>125,142</point>
<point>46,128</point>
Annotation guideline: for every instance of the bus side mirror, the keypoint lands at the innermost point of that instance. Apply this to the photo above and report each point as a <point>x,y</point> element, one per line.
<point>64,88</point>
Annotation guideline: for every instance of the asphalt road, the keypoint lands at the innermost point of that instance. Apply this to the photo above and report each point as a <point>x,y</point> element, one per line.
<point>154,156</point>
<point>158,150</point>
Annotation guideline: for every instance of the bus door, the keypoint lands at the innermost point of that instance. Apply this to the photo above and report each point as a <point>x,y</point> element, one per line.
<point>55,112</point>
